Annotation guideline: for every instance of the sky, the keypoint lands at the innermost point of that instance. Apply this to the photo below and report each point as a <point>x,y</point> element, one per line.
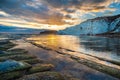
<point>54,14</point>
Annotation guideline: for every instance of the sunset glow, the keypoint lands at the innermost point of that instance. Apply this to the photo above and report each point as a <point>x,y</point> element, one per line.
<point>54,14</point>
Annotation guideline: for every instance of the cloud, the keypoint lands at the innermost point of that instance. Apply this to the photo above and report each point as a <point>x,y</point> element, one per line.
<point>3,14</point>
<point>78,4</point>
<point>47,13</point>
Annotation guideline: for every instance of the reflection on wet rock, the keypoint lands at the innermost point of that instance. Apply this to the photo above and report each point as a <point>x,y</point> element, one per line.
<point>43,76</point>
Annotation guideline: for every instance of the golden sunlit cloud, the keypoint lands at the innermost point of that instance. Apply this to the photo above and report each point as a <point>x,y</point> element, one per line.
<point>52,14</point>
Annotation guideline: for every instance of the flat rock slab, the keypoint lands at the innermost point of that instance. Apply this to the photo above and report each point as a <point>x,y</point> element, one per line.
<point>11,65</point>
<point>64,64</point>
<point>40,68</point>
<point>17,57</point>
<point>43,76</point>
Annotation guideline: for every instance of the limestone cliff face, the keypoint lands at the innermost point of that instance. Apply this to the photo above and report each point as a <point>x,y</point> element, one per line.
<point>95,26</point>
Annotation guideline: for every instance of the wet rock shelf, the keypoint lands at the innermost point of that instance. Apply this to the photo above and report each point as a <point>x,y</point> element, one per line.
<point>16,64</point>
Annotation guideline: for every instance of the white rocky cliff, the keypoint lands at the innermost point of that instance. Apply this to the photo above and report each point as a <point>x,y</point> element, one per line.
<point>95,26</point>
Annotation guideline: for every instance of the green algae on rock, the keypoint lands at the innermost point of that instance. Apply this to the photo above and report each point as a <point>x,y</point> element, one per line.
<point>43,76</point>
<point>17,51</point>
<point>13,52</point>
<point>7,46</point>
<point>33,61</point>
<point>6,54</point>
<point>17,57</point>
<point>40,68</point>
<point>11,75</point>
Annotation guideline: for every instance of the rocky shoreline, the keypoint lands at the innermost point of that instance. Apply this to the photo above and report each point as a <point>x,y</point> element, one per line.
<point>101,64</point>
<point>25,64</point>
<point>100,67</point>
<point>17,64</point>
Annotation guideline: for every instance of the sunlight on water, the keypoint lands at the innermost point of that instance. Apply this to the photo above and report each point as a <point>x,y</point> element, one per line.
<point>57,41</point>
<point>88,47</point>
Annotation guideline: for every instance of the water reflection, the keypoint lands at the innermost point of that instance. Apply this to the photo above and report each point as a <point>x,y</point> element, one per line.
<point>107,48</point>
<point>102,47</point>
<point>57,41</point>
<point>102,44</point>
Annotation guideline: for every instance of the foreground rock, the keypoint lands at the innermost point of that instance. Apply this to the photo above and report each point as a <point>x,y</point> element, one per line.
<point>15,63</point>
<point>6,45</point>
<point>12,52</point>
<point>17,51</point>
<point>11,69</point>
<point>17,57</point>
<point>11,65</point>
<point>33,61</point>
<point>115,72</point>
<point>40,68</point>
<point>43,76</point>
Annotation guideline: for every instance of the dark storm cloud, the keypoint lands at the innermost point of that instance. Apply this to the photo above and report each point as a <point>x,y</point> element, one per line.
<point>74,3</point>
<point>19,7</point>
<point>10,6</point>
